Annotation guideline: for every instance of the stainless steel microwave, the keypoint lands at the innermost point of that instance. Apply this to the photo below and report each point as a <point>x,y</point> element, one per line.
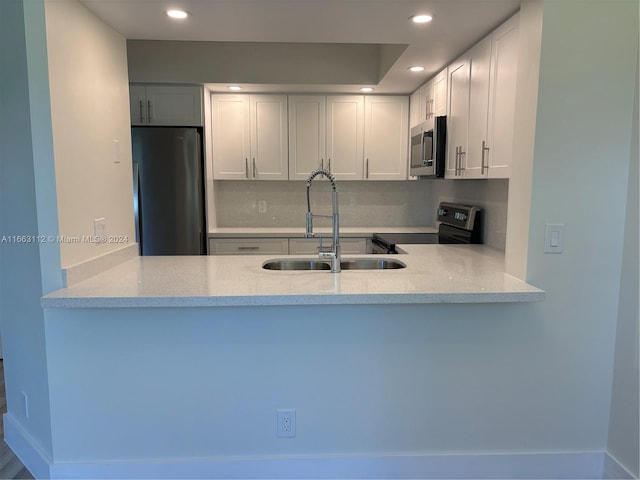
<point>429,148</point>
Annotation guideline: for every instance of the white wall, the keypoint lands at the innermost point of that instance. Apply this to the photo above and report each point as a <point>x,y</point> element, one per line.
<point>623,443</point>
<point>89,109</point>
<point>27,208</point>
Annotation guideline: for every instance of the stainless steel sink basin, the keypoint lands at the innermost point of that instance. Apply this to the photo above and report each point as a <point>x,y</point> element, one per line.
<point>316,264</point>
<point>371,264</point>
<point>296,264</point>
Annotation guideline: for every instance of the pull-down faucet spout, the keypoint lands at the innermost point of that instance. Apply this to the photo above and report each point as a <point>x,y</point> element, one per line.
<point>334,254</point>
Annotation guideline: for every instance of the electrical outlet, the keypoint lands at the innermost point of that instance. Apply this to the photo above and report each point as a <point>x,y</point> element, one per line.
<point>262,206</point>
<point>286,422</point>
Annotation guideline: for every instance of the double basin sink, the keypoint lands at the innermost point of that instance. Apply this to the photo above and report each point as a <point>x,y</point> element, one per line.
<point>318,264</point>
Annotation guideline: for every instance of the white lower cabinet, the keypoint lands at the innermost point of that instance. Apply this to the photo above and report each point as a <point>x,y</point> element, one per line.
<point>248,246</point>
<point>284,246</point>
<point>309,246</point>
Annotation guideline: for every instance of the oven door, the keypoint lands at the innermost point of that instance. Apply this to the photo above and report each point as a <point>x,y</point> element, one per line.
<point>448,234</point>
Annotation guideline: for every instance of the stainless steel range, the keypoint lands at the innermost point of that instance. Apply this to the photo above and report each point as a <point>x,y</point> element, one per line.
<point>461,224</point>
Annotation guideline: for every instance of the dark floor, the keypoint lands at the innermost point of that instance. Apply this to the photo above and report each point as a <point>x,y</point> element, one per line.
<point>10,466</point>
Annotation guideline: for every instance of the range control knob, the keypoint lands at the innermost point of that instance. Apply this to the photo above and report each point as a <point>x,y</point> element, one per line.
<point>442,212</point>
<point>460,216</point>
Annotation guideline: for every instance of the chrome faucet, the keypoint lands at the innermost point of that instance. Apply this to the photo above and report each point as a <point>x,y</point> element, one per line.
<point>334,253</point>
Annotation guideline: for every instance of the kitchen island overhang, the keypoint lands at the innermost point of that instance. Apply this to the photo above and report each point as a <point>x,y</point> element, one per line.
<point>434,274</point>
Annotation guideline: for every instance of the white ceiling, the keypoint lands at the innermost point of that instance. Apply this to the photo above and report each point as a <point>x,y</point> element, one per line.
<point>456,25</point>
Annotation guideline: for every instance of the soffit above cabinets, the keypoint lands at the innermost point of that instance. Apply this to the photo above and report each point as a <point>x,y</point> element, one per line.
<point>310,24</point>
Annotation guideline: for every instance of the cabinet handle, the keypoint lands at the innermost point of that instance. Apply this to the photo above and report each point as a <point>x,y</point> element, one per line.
<point>322,163</point>
<point>141,111</point>
<point>457,160</point>
<point>329,165</point>
<point>461,168</point>
<point>483,166</point>
<point>248,248</point>
<point>366,166</point>
<point>149,111</point>
<point>254,168</point>
<point>246,167</point>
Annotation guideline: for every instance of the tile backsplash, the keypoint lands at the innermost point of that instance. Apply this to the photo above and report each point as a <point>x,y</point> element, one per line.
<point>362,204</point>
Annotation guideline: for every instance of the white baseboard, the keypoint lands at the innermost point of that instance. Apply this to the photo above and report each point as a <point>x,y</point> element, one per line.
<point>26,448</point>
<point>577,465</point>
<point>613,470</point>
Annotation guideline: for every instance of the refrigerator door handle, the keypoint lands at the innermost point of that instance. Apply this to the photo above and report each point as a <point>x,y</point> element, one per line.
<point>136,204</point>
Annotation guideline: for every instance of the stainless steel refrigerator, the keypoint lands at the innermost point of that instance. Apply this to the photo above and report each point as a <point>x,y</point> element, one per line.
<point>168,185</point>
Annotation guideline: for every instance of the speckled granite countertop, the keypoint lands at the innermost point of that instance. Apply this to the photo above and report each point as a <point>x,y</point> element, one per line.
<point>434,274</point>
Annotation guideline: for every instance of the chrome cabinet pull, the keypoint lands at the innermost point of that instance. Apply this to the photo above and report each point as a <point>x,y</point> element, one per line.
<point>141,111</point>
<point>483,166</point>
<point>366,165</point>
<point>329,165</point>
<point>322,163</point>
<point>149,118</point>
<point>254,168</point>
<point>461,154</point>
<point>248,248</point>
<point>457,160</point>
<point>246,167</point>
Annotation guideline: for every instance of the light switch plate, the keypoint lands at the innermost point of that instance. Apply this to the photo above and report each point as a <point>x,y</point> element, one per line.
<point>554,238</point>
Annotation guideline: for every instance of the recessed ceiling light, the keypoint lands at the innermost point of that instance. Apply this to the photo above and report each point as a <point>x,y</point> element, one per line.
<point>177,14</point>
<point>422,18</point>
<point>366,89</point>
<point>416,68</point>
<point>235,88</point>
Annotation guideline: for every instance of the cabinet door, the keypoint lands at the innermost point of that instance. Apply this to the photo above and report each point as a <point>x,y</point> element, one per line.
<point>414,108</point>
<point>269,145</point>
<point>440,94</point>
<point>345,136</point>
<point>310,246</point>
<point>138,104</point>
<point>172,105</point>
<point>475,162</point>
<point>458,115</point>
<point>427,102</point>
<point>386,137</point>
<point>231,137</point>
<point>307,134</point>
<point>504,66</point>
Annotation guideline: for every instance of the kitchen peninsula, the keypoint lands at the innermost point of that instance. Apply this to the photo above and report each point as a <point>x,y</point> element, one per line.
<point>433,274</point>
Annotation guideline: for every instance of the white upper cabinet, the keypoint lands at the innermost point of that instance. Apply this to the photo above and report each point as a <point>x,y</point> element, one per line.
<point>439,106</point>
<point>345,136</point>
<point>502,97</point>
<point>473,162</point>
<point>307,134</point>
<point>268,132</point>
<point>165,105</point>
<point>249,137</point>
<point>385,137</point>
<point>326,132</point>
<point>482,86</point>
<point>458,119</point>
